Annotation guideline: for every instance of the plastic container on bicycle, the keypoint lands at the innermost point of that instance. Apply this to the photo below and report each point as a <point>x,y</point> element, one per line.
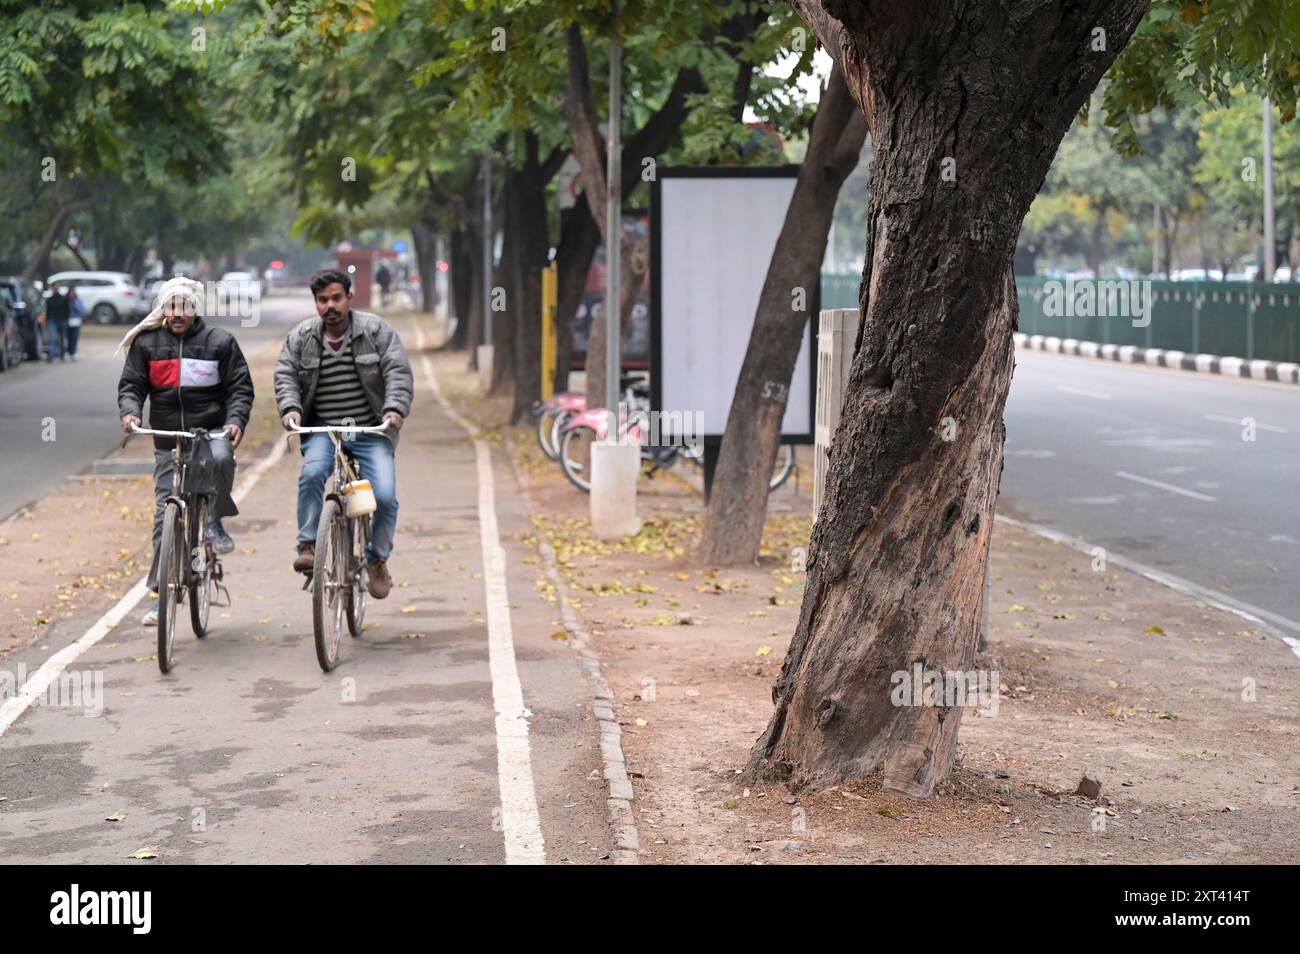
<point>358,498</point>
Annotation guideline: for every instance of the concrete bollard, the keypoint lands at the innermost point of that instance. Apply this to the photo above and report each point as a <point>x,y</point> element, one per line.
<point>615,467</point>
<point>484,354</point>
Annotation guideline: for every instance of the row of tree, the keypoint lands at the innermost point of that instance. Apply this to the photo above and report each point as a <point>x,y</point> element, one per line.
<point>378,111</point>
<point>116,122</point>
<point>1192,198</point>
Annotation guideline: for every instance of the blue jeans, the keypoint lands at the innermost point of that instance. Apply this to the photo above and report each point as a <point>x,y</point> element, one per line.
<point>374,454</point>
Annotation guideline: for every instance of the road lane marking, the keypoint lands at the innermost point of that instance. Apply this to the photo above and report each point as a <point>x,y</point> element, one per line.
<point>1083,392</point>
<point>1164,486</point>
<point>520,824</point>
<point>1240,422</point>
<point>53,667</point>
<point>1266,619</point>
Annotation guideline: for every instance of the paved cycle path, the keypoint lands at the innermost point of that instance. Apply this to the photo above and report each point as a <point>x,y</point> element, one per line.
<point>246,752</point>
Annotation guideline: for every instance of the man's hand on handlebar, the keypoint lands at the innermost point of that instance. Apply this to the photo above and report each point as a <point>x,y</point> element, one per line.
<point>129,421</point>
<point>235,433</point>
<point>291,420</point>
<point>393,418</point>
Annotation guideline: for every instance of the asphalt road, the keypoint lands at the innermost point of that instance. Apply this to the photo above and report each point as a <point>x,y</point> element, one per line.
<point>81,400</point>
<point>1151,464</point>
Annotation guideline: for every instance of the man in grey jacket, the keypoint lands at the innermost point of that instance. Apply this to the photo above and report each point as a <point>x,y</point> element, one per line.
<point>345,367</point>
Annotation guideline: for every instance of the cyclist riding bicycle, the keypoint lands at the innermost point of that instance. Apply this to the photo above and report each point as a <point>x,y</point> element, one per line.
<point>345,367</point>
<point>194,376</point>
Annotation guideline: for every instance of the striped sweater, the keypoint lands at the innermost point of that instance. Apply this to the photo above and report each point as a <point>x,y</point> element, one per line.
<point>340,396</point>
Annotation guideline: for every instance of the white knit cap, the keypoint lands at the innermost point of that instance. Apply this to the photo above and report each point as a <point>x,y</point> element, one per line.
<point>178,287</point>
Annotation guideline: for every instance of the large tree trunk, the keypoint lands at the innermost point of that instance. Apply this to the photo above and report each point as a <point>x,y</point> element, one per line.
<point>527,194</point>
<point>733,526</point>
<point>424,235</point>
<point>462,288</point>
<point>896,566</point>
<point>579,239</point>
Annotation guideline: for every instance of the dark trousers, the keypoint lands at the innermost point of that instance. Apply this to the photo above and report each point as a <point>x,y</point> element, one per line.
<point>56,338</point>
<point>224,455</point>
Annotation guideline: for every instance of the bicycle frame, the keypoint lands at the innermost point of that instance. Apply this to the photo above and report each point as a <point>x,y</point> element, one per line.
<point>180,464</point>
<point>339,475</point>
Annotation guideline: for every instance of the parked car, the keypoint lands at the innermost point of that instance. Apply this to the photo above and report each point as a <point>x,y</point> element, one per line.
<point>235,287</point>
<point>11,340</point>
<point>108,297</point>
<point>27,307</point>
<point>1197,275</point>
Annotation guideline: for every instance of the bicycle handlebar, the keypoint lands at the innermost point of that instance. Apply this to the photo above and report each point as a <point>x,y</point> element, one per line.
<point>214,435</point>
<point>340,428</point>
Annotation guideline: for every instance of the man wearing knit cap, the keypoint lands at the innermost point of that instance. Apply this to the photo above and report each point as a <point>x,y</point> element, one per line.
<point>194,375</point>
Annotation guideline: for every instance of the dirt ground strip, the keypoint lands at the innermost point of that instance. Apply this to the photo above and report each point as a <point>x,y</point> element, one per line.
<point>70,556</point>
<point>1189,712</point>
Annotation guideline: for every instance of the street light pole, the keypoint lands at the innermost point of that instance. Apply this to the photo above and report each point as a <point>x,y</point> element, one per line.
<point>487,248</point>
<point>1270,243</point>
<point>615,460</point>
<point>614,231</point>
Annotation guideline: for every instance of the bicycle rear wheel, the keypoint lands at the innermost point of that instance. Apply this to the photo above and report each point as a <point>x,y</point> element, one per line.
<point>575,456</point>
<point>328,588</point>
<point>359,592</point>
<point>203,569</point>
<point>169,583</point>
<point>544,422</point>
<point>783,467</point>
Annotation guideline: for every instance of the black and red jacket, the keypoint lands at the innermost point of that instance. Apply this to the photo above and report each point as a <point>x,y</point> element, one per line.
<point>200,380</point>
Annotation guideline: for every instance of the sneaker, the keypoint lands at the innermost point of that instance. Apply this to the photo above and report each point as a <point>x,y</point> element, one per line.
<point>221,541</point>
<point>150,618</point>
<point>380,581</point>
<point>305,561</point>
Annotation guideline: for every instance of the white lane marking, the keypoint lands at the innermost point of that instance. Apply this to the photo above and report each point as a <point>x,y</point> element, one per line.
<point>520,824</point>
<point>53,667</point>
<point>1083,392</point>
<point>1240,422</point>
<point>1253,614</point>
<point>1164,486</point>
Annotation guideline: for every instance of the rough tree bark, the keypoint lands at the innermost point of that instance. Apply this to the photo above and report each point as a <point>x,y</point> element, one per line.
<point>462,289</point>
<point>424,235</point>
<point>966,106</point>
<point>733,526</point>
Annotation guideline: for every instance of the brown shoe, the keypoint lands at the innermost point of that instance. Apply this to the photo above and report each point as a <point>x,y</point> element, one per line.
<point>306,558</point>
<point>380,581</point>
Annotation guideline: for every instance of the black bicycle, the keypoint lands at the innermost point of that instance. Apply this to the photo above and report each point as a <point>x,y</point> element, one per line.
<point>187,562</point>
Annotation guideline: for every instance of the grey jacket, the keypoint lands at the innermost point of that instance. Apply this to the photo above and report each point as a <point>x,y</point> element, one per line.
<point>381,364</point>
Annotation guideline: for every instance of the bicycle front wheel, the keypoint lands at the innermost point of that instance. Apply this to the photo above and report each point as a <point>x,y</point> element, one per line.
<point>203,568</point>
<point>329,586</point>
<point>170,555</point>
<point>359,591</point>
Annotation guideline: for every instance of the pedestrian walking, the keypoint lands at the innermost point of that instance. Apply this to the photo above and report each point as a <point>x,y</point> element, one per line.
<point>57,311</point>
<point>76,312</point>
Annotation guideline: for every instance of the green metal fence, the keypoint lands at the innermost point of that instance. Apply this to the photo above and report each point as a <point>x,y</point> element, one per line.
<point>1248,320</point>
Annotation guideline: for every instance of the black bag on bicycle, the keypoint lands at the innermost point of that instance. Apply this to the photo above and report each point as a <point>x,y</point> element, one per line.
<point>201,470</point>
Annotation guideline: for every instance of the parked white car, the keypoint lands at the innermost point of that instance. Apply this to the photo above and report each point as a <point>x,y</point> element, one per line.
<point>108,297</point>
<point>236,287</point>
